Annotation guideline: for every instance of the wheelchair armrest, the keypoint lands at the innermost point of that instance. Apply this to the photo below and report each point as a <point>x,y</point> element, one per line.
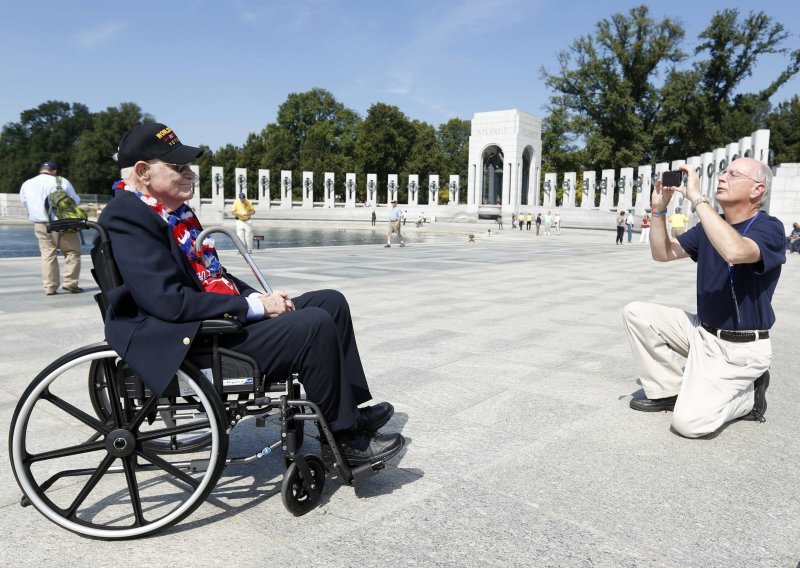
<point>220,327</point>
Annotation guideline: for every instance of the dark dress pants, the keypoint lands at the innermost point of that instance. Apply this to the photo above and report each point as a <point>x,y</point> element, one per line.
<point>316,341</point>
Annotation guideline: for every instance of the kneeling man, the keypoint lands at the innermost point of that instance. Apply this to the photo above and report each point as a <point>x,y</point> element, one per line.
<point>713,366</point>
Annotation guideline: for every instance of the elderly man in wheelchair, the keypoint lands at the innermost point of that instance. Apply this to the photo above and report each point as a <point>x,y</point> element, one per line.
<point>191,350</point>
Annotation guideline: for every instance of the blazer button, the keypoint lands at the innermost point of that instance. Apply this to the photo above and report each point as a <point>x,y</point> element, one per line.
<point>227,315</point>
<point>186,341</point>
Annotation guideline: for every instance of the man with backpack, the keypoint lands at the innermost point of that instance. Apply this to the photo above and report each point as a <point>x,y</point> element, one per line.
<point>36,193</point>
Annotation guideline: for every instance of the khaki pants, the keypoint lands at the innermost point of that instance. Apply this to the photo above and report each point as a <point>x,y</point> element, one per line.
<point>676,231</point>
<point>49,245</point>
<point>394,227</point>
<point>244,230</point>
<point>675,356</point>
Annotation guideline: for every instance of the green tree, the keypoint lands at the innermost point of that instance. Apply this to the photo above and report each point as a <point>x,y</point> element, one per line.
<point>94,168</point>
<point>454,139</point>
<point>604,87</point>
<point>383,144</point>
<point>701,107</point>
<point>314,132</point>
<point>425,158</point>
<point>47,132</point>
<point>784,126</point>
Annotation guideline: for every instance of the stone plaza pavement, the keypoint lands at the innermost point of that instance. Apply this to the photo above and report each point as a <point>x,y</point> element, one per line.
<point>511,373</point>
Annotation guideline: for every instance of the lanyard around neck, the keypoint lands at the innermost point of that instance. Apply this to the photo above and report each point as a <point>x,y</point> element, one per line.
<point>730,271</point>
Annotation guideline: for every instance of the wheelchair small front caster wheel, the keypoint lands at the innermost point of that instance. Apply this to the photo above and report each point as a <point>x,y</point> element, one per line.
<point>296,498</point>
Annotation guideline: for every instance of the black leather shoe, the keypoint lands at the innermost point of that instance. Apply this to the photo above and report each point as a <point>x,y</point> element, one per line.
<point>364,447</point>
<point>760,399</point>
<point>654,404</point>
<point>74,289</point>
<point>373,418</point>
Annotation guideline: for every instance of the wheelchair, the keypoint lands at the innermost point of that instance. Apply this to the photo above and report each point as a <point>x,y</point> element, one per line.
<point>97,453</point>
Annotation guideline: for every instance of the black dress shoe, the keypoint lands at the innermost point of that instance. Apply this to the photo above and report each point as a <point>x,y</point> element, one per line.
<point>760,399</point>
<point>365,447</point>
<point>373,418</point>
<point>74,289</point>
<point>654,404</point>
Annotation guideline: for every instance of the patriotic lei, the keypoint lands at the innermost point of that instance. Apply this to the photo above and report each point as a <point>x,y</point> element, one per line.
<point>185,229</point>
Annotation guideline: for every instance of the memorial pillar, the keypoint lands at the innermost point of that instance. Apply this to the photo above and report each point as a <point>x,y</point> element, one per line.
<point>263,184</point>
<point>589,190</point>
<point>218,193</point>
<point>286,189</point>
<point>413,189</point>
<point>350,190</point>
<point>607,182</point>
<point>329,185</point>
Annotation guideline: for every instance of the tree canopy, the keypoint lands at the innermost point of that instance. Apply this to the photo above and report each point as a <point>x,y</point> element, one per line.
<point>621,99</point>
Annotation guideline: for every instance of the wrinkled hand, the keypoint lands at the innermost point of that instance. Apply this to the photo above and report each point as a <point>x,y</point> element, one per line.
<point>659,199</point>
<point>276,304</point>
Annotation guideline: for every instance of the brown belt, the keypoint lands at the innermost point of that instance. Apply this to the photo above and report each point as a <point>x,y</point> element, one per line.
<point>736,336</point>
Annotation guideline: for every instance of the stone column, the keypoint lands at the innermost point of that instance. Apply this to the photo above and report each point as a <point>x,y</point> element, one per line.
<point>708,167</point>
<point>694,163</point>
<point>392,188</point>
<point>720,163</point>
<point>569,188</point>
<point>194,202</point>
<point>433,190</point>
<point>607,181</point>
<point>263,184</point>
<point>625,186</point>
<point>218,193</point>
<point>453,192</point>
<point>413,189</point>
<point>240,177</point>
<point>308,190</point>
<point>372,190</point>
<point>589,190</point>
<point>746,147</point>
<point>549,196</point>
<point>350,190</point>
<point>329,185</point>
<point>286,189</point>
<point>761,145</point>
<point>642,187</point>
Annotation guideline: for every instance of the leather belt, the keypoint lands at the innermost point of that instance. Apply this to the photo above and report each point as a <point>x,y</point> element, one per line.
<point>736,336</point>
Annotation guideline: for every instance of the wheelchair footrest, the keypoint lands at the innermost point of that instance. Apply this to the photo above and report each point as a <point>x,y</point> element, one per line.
<point>367,470</point>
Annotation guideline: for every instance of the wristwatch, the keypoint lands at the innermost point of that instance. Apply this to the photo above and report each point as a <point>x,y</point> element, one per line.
<point>698,201</point>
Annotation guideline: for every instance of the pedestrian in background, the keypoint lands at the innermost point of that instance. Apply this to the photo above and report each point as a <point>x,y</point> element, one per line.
<point>620,227</point>
<point>645,236</point>
<point>678,223</point>
<point>243,210</point>
<point>629,221</point>
<point>33,194</point>
<point>395,217</point>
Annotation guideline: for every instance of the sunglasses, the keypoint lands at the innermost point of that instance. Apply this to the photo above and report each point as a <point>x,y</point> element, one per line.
<point>177,168</point>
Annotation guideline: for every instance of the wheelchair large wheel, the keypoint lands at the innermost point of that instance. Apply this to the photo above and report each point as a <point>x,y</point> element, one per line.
<point>296,498</point>
<point>103,477</point>
<point>171,416</point>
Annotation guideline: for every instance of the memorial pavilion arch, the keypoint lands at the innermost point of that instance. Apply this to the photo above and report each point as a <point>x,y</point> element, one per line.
<point>505,156</point>
<point>492,165</point>
<point>528,172</point>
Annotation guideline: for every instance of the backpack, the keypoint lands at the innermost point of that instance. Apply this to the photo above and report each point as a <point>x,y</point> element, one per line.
<point>60,204</point>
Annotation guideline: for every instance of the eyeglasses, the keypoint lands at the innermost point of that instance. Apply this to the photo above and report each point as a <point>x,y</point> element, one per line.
<point>177,168</point>
<point>735,174</point>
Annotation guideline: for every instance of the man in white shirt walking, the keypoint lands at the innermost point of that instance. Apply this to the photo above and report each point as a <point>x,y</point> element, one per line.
<point>395,217</point>
<point>33,194</point>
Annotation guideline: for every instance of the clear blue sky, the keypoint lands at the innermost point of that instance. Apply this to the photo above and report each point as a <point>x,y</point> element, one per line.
<point>215,70</point>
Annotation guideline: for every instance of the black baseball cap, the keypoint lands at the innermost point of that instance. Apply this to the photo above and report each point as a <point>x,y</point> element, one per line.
<point>50,165</point>
<point>153,141</point>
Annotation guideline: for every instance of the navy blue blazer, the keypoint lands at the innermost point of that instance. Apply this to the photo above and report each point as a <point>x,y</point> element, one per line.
<point>154,316</point>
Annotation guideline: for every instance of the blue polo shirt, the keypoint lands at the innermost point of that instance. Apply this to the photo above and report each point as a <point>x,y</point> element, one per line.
<point>754,283</point>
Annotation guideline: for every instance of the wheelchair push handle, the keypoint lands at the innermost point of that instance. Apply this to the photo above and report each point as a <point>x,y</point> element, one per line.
<point>198,244</point>
<point>77,224</point>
